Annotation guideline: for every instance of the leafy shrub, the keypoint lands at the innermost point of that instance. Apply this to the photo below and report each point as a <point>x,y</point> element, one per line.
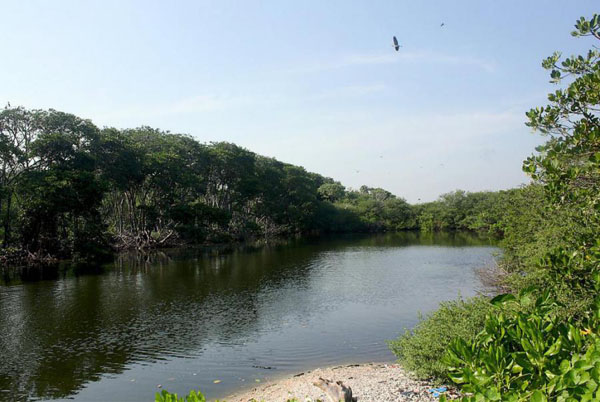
<point>166,396</point>
<point>525,353</point>
<point>538,351</point>
<point>421,349</point>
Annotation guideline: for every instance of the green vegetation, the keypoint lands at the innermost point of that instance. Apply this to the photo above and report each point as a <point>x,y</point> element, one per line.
<point>166,396</point>
<point>528,353</point>
<point>544,343</point>
<point>421,349</point>
<point>459,210</point>
<point>69,189</point>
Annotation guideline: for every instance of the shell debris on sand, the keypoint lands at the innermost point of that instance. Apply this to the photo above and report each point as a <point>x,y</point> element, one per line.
<point>371,382</point>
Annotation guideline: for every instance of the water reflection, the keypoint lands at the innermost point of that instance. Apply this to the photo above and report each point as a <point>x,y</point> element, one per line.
<point>228,310</point>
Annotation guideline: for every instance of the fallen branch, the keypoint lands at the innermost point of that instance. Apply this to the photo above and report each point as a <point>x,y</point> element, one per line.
<point>336,392</point>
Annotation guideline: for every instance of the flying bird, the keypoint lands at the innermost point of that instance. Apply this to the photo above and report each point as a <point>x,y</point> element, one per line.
<point>442,24</point>
<point>396,45</point>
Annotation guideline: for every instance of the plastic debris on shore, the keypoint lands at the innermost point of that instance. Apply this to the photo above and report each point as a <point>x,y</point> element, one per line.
<point>436,392</point>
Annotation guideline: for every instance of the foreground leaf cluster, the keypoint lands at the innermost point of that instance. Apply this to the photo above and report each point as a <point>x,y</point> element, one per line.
<point>526,353</point>
<point>527,350</point>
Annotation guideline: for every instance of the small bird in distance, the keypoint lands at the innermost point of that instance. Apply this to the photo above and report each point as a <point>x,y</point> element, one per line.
<point>442,24</point>
<point>396,44</point>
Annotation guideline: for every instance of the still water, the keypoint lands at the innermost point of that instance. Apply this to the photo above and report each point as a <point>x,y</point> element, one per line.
<point>185,318</point>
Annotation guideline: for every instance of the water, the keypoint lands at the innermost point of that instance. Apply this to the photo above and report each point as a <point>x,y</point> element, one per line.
<point>185,318</point>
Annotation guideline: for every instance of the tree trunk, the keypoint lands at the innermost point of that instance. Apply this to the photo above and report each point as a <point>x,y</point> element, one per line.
<point>7,220</point>
<point>1,201</point>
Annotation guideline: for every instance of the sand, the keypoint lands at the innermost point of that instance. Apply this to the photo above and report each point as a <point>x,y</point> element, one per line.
<point>371,382</point>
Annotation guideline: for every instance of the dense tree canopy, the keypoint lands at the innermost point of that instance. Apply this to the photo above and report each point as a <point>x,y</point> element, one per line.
<point>68,188</point>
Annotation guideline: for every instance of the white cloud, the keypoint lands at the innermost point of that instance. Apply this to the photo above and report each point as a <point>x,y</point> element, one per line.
<point>426,57</point>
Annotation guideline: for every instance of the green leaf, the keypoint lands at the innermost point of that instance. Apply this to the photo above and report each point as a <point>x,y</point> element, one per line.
<point>492,394</point>
<point>565,366</point>
<point>554,349</point>
<point>503,299</point>
<point>538,396</point>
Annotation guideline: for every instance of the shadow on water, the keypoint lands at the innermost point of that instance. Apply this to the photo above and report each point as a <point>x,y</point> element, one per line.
<point>64,270</point>
<point>67,326</point>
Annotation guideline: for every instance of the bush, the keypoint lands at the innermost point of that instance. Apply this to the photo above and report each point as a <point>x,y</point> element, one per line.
<point>525,353</point>
<point>166,396</point>
<point>421,349</point>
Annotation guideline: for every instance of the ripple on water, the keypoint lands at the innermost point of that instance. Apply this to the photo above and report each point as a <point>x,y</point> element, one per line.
<point>189,319</point>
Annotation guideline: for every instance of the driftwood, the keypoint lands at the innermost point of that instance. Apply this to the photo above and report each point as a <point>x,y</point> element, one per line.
<point>336,392</point>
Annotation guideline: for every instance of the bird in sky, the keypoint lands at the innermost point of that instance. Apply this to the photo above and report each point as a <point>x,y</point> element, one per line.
<point>442,24</point>
<point>396,45</point>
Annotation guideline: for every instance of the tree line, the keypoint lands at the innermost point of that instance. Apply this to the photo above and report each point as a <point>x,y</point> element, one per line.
<point>71,189</point>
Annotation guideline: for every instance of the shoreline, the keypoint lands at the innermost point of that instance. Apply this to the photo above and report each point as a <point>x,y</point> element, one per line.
<point>19,259</point>
<point>370,382</point>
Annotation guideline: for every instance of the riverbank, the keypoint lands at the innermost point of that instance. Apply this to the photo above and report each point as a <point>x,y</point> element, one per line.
<point>370,382</point>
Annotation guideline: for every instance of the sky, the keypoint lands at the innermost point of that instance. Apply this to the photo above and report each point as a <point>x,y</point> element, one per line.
<point>313,83</point>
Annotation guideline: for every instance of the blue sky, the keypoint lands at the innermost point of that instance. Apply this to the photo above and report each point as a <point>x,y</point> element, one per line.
<point>314,83</point>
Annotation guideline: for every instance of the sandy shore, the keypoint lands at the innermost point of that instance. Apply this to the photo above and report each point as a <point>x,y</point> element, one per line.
<point>371,382</point>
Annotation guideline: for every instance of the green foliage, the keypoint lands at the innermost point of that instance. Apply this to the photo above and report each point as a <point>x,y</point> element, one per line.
<point>460,210</point>
<point>568,168</point>
<point>525,353</point>
<point>53,189</point>
<point>332,191</point>
<point>421,349</point>
<point>542,344</point>
<point>377,210</point>
<point>69,189</point>
<point>166,396</point>
<point>530,227</point>
<point>548,349</point>
<point>569,163</point>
